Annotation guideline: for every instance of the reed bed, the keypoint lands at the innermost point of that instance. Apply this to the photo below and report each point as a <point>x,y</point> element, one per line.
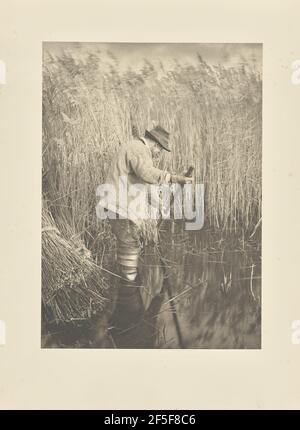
<point>212,112</point>
<point>214,115</point>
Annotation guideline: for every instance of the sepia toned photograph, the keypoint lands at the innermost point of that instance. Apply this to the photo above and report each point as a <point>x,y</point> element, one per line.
<point>151,195</point>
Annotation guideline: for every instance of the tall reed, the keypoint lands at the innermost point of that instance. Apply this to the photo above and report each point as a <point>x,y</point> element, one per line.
<point>214,115</point>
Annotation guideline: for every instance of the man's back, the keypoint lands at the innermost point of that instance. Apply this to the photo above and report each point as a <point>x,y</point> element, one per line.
<point>130,173</point>
<point>132,158</point>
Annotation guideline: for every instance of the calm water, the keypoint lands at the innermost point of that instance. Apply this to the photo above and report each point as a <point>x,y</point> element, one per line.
<point>203,293</point>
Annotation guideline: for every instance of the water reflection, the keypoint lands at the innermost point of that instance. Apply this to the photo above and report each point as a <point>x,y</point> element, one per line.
<point>198,293</point>
<point>197,296</point>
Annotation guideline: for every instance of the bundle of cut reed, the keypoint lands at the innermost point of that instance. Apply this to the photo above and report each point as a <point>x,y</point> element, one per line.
<point>73,286</point>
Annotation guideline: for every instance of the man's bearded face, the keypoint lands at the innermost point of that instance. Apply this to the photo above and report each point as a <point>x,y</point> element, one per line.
<point>156,151</point>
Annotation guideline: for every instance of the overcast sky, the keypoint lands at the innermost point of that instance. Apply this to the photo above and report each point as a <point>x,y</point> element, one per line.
<point>133,54</point>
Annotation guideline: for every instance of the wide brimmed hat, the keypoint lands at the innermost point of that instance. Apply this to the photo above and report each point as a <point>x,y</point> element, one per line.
<point>159,135</point>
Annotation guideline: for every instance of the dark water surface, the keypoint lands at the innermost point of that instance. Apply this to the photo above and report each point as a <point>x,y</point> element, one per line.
<point>199,292</point>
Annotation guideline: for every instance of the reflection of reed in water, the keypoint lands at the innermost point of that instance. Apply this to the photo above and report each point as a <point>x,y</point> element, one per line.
<point>215,299</point>
<point>221,308</point>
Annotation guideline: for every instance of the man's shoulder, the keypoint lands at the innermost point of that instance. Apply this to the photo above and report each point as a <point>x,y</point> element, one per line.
<point>137,146</point>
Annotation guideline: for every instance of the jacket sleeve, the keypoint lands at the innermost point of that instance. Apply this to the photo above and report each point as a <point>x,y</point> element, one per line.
<point>142,165</point>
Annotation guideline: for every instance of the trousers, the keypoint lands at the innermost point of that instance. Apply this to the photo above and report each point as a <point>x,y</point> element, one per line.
<point>129,306</point>
<point>129,246</point>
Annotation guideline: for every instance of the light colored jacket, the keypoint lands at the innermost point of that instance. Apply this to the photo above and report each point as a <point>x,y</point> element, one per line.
<point>131,170</point>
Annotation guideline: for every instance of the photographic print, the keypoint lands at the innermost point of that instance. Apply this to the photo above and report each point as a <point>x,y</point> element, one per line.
<point>151,195</point>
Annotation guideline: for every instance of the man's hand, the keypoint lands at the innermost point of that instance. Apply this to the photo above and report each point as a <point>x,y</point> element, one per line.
<point>180,179</point>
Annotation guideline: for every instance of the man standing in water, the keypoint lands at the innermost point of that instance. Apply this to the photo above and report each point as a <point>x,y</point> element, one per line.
<point>134,165</point>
